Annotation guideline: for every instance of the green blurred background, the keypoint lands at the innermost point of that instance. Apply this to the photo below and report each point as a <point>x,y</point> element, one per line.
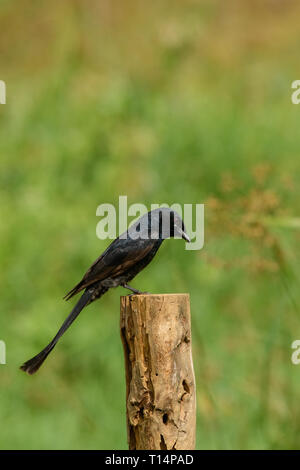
<point>171,101</point>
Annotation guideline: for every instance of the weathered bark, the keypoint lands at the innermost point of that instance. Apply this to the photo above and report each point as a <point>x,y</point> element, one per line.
<point>160,382</point>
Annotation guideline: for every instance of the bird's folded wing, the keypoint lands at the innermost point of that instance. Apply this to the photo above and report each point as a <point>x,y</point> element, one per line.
<point>116,260</point>
<point>120,256</point>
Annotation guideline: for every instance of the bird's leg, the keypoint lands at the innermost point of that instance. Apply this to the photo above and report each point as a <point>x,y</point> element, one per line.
<point>135,291</point>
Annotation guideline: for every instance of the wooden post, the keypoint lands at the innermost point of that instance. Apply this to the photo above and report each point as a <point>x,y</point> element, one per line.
<point>160,382</point>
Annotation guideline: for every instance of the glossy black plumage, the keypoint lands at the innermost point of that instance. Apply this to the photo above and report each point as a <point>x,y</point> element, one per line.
<point>124,258</point>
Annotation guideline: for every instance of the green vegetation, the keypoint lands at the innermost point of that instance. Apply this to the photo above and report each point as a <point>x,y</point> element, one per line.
<point>169,102</point>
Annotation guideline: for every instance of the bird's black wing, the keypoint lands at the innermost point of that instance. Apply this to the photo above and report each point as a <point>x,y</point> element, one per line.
<point>120,256</point>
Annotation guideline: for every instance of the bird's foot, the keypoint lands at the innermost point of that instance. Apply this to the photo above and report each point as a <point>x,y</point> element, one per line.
<point>134,291</point>
<point>138,293</point>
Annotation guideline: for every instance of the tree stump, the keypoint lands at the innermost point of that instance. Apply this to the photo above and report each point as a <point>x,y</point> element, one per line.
<point>160,382</point>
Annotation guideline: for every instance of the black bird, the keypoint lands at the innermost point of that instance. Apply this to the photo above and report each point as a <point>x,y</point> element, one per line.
<point>124,258</point>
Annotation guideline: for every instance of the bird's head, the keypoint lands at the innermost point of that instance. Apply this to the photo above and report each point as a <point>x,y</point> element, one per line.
<point>165,223</point>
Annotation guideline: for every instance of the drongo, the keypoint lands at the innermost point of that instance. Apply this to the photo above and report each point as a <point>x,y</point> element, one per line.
<point>124,258</point>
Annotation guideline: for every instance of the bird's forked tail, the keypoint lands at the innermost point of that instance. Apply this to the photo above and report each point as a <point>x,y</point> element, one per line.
<point>33,364</point>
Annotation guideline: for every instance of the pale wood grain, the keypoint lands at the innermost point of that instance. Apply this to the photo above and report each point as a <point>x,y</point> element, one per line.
<point>160,382</point>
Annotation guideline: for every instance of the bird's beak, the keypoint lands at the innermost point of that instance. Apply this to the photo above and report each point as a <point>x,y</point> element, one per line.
<point>186,237</point>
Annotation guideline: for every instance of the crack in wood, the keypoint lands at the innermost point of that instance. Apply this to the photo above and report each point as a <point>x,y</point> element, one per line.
<point>159,373</point>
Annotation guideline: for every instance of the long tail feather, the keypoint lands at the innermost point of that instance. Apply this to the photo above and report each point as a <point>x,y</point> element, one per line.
<point>34,364</point>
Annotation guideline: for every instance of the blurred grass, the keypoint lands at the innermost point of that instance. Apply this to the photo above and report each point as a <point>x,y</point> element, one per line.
<point>169,102</point>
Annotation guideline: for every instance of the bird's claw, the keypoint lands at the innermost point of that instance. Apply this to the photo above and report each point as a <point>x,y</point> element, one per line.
<point>134,291</point>
<point>138,293</point>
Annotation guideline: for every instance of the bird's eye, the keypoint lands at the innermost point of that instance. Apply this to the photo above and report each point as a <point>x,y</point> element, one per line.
<point>138,227</point>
